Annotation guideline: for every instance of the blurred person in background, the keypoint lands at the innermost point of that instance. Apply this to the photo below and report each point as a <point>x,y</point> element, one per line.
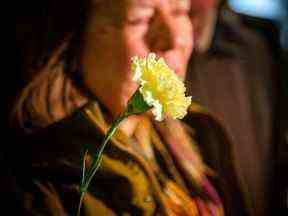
<point>78,80</point>
<point>234,73</point>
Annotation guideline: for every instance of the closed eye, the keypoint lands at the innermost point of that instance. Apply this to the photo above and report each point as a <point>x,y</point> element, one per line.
<point>138,20</point>
<point>180,11</point>
<point>140,16</point>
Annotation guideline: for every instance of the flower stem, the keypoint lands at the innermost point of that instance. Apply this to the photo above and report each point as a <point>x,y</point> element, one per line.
<point>80,203</point>
<point>136,105</point>
<point>97,160</point>
<point>86,178</point>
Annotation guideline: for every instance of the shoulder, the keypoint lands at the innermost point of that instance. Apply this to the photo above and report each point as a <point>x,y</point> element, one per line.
<point>54,153</point>
<point>217,151</point>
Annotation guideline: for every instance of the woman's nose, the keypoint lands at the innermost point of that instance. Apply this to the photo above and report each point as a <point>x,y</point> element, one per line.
<point>162,35</point>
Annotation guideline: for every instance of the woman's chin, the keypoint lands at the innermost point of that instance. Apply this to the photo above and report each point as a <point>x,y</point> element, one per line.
<point>129,89</point>
<point>181,74</point>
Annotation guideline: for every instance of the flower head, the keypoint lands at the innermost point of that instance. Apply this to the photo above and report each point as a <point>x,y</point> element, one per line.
<point>160,87</point>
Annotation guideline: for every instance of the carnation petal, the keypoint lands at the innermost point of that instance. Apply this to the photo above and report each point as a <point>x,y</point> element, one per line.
<point>160,87</point>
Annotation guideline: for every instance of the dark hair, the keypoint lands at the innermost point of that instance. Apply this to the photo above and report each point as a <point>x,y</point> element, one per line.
<point>51,51</point>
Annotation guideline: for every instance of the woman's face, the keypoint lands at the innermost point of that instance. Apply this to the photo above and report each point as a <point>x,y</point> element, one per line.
<point>117,30</point>
<point>201,11</point>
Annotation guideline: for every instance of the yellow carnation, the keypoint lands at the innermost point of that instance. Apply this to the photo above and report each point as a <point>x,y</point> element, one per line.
<point>160,87</point>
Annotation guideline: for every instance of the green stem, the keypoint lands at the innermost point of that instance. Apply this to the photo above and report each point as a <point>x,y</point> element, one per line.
<point>82,182</point>
<point>97,160</point>
<point>80,203</point>
<point>136,105</point>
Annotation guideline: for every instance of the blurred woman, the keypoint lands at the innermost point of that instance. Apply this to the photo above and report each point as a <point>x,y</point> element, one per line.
<point>79,88</point>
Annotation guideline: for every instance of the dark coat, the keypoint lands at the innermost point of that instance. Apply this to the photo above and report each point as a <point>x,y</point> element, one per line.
<point>48,169</point>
